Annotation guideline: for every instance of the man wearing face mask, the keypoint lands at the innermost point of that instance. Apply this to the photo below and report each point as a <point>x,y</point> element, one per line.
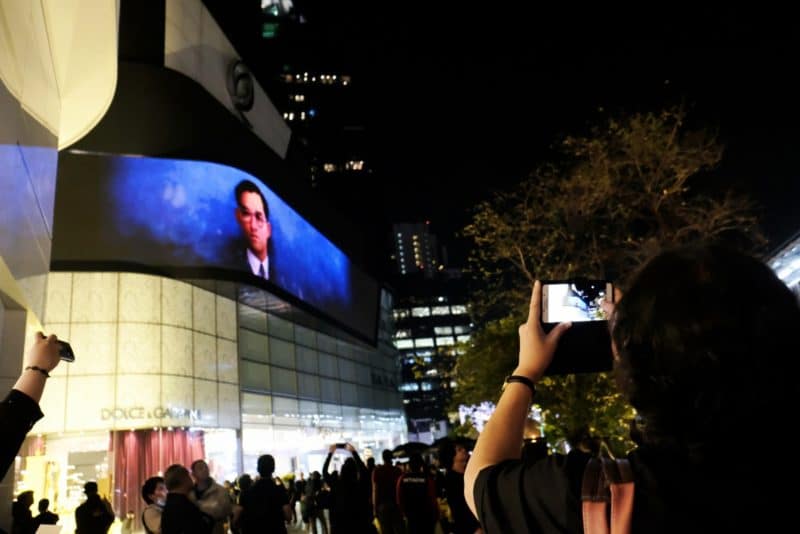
<point>154,493</point>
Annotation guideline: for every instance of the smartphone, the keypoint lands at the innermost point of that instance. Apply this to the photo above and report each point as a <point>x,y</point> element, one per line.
<point>586,346</point>
<point>65,351</point>
<point>341,445</point>
<point>577,300</point>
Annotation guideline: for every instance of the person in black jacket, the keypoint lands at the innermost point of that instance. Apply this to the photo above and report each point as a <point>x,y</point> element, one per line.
<point>20,409</point>
<point>21,514</point>
<point>95,515</point>
<point>45,517</point>
<point>351,512</point>
<point>180,515</point>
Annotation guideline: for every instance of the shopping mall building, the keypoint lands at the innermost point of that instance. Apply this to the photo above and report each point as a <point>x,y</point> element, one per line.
<point>121,232</point>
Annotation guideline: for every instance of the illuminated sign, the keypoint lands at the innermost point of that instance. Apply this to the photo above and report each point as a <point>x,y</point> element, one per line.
<point>140,412</point>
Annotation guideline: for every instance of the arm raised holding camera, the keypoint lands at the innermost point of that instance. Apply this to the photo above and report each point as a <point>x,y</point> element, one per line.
<point>19,411</point>
<point>501,438</point>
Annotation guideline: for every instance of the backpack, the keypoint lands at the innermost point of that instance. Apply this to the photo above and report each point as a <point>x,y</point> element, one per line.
<point>605,482</point>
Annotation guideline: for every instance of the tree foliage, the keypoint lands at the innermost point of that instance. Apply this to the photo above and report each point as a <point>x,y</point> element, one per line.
<point>615,197</point>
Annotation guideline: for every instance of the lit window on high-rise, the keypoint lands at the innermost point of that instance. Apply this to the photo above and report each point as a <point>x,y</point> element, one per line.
<point>329,167</point>
<point>399,334</point>
<point>423,342</point>
<point>445,341</point>
<point>442,330</point>
<point>461,329</point>
<point>459,309</point>
<point>463,339</point>
<point>400,313</point>
<point>440,310</point>
<point>404,343</point>
<point>420,311</point>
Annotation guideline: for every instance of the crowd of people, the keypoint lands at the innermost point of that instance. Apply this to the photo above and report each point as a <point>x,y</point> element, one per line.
<point>411,497</point>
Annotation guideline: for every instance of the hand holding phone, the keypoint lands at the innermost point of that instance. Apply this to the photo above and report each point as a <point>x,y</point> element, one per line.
<point>586,348</point>
<point>536,347</point>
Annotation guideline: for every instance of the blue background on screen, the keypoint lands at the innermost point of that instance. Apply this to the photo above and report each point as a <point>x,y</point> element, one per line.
<point>186,209</point>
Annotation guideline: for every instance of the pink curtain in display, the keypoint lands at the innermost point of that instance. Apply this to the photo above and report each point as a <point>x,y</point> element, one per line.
<point>141,454</point>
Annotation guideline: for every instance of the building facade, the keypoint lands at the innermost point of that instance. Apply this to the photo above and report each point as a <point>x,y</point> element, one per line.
<point>172,364</point>
<point>432,327</point>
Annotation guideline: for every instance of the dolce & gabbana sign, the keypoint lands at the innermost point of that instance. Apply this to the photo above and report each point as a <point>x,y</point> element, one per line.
<point>140,412</point>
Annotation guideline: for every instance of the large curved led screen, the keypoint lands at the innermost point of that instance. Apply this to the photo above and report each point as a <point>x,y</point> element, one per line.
<point>178,214</point>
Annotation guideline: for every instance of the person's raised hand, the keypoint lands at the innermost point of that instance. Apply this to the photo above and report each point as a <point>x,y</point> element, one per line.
<point>350,448</point>
<point>536,348</point>
<point>44,352</point>
<point>332,449</point>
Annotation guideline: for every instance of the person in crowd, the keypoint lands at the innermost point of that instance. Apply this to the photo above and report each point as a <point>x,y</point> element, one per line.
<point>95,515</point>
<point>264,507</point>
<point>45,517</point>
<point>252,214</point>
<point>154,493</point>
<point>350,509</point>
<point>243,483</point>
<point>312,509</point>
<point>299,496</point>
<point>22,518</point>
<point>453,458</point>
<point>210,497</point>
<point>19,411</point>
<point>180,515</point>
<point>370,470</point>
<point>416,497</point>
<point>384,496</point>
<point>704,339</point>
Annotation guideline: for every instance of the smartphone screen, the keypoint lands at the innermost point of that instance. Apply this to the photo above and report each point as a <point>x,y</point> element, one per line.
<point>575,301</point>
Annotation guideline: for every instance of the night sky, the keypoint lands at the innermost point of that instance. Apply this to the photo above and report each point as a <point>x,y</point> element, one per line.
<point>460,100</point>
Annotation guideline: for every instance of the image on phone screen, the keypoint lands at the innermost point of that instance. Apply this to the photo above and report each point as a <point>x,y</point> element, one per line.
<point>574,301</point>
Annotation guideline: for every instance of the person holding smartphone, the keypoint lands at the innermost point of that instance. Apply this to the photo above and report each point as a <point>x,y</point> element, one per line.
<point>704,340</point>
<point>19,411</point>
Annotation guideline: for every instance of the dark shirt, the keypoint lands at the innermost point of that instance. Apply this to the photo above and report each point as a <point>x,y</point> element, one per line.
<point>181,516</point>
<point>416,495</point>
<point>350,510</point>
<point>94,516</point>
<point>464,521</point>
<point>384,482</point>
<point>670,495</point>
<point>45,518</point>
<point>22,519</point>
<point>18,413</point>
<point>263,508</point>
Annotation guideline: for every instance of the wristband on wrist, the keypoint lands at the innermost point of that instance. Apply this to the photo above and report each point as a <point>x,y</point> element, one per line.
<point>39,369</point>
<point>522,380</point>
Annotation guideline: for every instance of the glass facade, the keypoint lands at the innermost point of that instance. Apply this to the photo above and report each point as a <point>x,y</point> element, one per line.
<point>167,372</point>
<point>304,389</point>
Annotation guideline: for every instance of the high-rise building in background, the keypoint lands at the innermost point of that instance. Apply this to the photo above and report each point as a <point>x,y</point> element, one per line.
<point>415,249</point>
<point>432,326</point>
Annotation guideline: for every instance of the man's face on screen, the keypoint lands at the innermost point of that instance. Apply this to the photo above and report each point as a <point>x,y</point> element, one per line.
<point>254,223</point>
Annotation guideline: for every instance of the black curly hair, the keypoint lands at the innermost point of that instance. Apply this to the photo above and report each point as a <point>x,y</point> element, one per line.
<point>707,343</point>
